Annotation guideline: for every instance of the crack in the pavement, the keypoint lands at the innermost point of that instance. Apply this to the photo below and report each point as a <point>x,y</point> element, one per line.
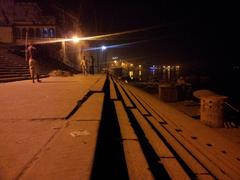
<point>36,156</point>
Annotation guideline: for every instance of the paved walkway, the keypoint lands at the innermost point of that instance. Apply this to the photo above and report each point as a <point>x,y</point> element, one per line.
<point>50,130</point>
<point>33,125</point>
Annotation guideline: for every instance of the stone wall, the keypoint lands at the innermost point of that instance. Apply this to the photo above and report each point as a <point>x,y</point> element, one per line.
<point>6,34</point>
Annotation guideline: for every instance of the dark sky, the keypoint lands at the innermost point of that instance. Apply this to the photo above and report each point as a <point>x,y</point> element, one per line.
<point>188,31</point>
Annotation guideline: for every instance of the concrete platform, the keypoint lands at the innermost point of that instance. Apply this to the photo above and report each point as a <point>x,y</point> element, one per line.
<point>36,140</point>
<point>73,128</point>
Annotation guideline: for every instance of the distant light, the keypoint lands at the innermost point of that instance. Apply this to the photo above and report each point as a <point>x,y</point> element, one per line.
<point>153,67</point>
<point>104,47</point>
<point>131,65</point>
<point>75,39</point>
<point>115,57</point>
<point>177,67</point>
<point>139,73</point>
<point>236,67</point>
<point>131,74</point>
<point>140,66</point>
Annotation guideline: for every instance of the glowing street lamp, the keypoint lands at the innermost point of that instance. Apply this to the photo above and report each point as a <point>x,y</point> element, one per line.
<point>103,48</point>
<point>104,55</point>
<point>75,39</point>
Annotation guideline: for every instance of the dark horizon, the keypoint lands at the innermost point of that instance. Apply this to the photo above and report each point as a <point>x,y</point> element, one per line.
<point>188,32</point>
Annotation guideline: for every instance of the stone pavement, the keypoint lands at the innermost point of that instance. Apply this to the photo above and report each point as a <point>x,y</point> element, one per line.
<point>33,125</point>
<point>75,128</point>
<point>216,148</point>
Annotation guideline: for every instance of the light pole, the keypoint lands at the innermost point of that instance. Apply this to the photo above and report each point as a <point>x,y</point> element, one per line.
<point>75,40</point>
<point>64,51</point>
<point>104,55</point>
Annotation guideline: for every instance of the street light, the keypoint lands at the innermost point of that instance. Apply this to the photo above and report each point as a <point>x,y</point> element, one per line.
<point>103,48</point>
<point>75,39</point>
<point>104,56</point>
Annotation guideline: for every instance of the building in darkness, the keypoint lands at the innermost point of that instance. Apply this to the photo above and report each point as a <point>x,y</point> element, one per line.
<point>18,18</point>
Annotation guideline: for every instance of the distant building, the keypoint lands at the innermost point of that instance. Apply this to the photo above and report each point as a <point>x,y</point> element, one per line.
<point>21,18</point>
<point>67,22</point>
<point>17,18</point>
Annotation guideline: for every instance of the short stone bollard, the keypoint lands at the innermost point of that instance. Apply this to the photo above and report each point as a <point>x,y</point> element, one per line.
<point>167,93</point>
<point>212,110</point>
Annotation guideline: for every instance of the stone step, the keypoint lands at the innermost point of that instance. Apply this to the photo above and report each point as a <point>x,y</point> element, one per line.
<point>8,75</point>
<point>7,72</point>
<point>12,63</point>
<point>10,79</point>
<point>14,67</point>
<point>16,71</point>
<point>19,78</point>
<point>205,153</point>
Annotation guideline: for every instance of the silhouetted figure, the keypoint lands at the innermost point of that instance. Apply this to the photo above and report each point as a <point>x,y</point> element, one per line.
<point>34,69</point>
<point>31,51</point>
<point>32,62</point>
<point>83,64</point>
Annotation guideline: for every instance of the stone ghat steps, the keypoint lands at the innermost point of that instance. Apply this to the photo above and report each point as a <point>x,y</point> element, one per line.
<point>11,64</point>
<point>118,132</point>
<point>14,68</point>
<point>182,148</point>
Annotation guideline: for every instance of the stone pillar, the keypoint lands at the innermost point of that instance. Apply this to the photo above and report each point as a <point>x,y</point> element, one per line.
<point>167,92</point>
<point>64,52</point>
<point>212,110</point>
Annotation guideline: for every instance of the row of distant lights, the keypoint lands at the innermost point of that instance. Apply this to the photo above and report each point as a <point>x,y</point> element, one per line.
<point>177,67</point>
<point>116,61</point>
<point>123,64</point>
<point>165,67</point>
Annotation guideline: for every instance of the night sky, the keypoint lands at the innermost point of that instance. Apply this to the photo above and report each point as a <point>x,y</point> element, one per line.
<point>200,35</point>
<point>193,32</point>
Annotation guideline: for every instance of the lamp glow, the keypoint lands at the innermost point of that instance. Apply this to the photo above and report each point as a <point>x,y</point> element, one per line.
<point>75,39</point>
<point>104,48</point>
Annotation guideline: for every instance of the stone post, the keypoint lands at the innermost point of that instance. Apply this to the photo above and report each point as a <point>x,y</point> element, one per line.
<point>212,110</point>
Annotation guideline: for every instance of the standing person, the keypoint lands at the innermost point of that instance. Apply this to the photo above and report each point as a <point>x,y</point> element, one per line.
<point>83,65</point>
<point>32,62</point>
<point>31,51</point>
